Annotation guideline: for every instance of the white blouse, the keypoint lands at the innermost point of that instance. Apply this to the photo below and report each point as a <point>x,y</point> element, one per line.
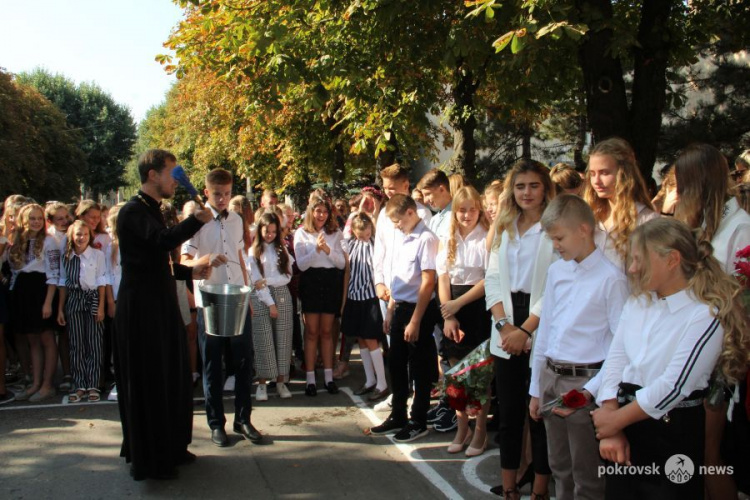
<point>114,269</point>
<point>305,245</point>
<point>667,346</point>
<point>48,261</point>
<point>269,258</point>
<point>471,258</point>
<point>93,273</point>
<point>522,252</point>
<point>604,238</point>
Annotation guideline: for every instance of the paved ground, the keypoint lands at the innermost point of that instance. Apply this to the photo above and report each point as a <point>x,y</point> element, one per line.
<point>317,449</point>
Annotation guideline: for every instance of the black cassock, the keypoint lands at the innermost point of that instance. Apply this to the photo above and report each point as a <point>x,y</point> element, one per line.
<point>152,372</point>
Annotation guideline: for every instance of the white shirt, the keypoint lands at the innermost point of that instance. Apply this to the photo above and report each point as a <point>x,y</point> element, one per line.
<point>582,306</point>
<point>93,269</point>
<point>387,237</point>
<point>219,236</point>
<point>440,223</point>
<point>269,258</point>
<point>417,253</point>
<point>471,257</point>
<point>522,252</point>
<point>114,269</point>
<point>48,261</point>
<point>605,239</point>
<point>57,235</point>
<point>669,347</point>
<point>307,256</point>
<point>732,235</point>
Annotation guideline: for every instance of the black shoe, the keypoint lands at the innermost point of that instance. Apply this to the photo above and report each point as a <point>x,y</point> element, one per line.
<point>186,459</point>
<point>364,390</point>
<point>410,432</point>
<point>249,432</point>
<point>311,390</point>
<point>378,395</point>
<point>448,421</point>
<point>390,426</point>
<point>8,397</point>
<point>332,388</point>
<point>436,412</point>
<point>219,437</point>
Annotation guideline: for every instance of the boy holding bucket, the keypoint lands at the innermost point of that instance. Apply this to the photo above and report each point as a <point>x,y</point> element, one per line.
<point>220,243</point>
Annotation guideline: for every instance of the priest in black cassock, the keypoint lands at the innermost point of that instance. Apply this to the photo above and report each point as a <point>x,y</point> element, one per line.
<point>152,371</point>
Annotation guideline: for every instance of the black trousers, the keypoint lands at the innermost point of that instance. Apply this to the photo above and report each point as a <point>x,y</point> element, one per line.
<point>654,442</point>
<point>420,357</point>
<point>512,378</point>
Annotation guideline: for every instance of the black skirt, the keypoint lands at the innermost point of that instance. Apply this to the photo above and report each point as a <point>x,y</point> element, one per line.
<point>474,321</point>
<point>321,290</point>
<point>362,319</point>
<point>26,302</point>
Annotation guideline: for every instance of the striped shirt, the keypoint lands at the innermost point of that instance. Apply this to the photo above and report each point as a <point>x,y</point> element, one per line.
<point>361,280</point>
<point>667,346</point>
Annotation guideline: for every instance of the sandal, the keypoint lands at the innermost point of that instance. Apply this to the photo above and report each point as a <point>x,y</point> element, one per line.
<point>76,397</point>
<point>94,395</point>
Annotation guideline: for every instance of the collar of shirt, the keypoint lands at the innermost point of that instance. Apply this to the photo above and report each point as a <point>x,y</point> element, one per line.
<point>414,234</point>
<point>477,233</point>
<point>536,228</point>
<point>588,263</point>
<point>217,215</point>
<point>149,200</point>
<point>676,301</point>
<point>86,253</point>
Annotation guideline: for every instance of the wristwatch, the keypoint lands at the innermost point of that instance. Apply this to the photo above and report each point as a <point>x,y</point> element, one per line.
<point>500,323</point>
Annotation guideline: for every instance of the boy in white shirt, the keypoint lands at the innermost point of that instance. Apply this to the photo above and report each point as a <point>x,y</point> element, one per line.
<point>583,300</point>
<point>221,243</point>
<point>412,315</point>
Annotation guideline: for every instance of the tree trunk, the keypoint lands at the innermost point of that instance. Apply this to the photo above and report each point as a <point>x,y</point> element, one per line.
<point>650,82</point>
<point>606,102</point>
<point>526,142</point>
<point>464,123</point>
<point>580,143</point>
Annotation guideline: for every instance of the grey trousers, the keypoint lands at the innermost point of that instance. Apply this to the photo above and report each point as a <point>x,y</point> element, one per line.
<point>571,442</point>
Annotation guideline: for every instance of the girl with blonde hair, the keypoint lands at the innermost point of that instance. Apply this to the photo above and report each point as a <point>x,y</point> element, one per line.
<point>617,194</point>
<point>461,264</point>
<point>491,202</point>
<point>683,318</point>
<point>90,212</point>
<point>34,259</point>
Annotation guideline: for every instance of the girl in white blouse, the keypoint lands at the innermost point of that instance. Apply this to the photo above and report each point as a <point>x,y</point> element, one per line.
<point>617,194</point>
<point>461,263</point>
<point>34,259</point>
<point>270,272</point>
<point>82,287</point>
<point>90,212</point>
<point>514,286</point>
<point>683,309</point>
<point>705,203</point>
<point>317,248</point>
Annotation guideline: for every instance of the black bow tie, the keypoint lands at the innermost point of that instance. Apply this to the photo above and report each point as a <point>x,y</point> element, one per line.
<point>222,215</point>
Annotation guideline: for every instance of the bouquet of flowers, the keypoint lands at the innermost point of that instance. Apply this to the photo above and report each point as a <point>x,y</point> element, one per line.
<point>573,399</point>
<point>742,273</point>
<point>467,383</point>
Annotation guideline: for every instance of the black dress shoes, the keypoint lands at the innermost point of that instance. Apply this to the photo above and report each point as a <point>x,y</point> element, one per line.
<point>332,388</point>
<point>249,432</point>
<point>219,437</point>
<point>364,390</point>
<point>311,390</point>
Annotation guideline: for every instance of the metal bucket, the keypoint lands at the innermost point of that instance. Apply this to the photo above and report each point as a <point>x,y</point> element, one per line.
<point>225,309</point>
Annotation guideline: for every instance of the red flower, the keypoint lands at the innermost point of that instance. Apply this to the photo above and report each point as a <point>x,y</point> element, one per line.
<point>743,268</point>
<point>456,391</point>
<point>472,408</point>
<point>744,253</point>
<point>457,404</point>
<point>574,399</point>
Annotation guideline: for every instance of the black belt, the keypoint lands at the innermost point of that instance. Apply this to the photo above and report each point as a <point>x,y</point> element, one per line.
<point>626,394</point>
<point>575,370</point>
<point>521,299</point>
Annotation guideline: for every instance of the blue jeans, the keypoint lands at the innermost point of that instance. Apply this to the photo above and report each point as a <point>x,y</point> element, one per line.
<point>212,351</point>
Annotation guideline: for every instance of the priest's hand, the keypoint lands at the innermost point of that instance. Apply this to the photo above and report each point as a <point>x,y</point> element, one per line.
<point>202,272</point>
<point>203,214</point>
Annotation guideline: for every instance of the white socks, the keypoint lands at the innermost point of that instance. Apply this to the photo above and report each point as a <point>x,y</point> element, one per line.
<point>377,361</point>
<point>311,378</point>
<point>369,370</point>
<point>328,374</point>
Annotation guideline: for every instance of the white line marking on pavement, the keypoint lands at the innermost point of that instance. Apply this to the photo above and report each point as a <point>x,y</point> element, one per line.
<point>409,451</point>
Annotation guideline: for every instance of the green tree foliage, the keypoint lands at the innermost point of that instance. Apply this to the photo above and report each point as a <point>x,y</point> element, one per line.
<point>107,130</point>
<point>39,152</point>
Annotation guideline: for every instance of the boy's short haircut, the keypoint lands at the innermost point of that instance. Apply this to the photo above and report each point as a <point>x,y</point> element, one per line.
<point>433,179</point>
<point>52,208</point>
<point>569,209</point>
<point>395,172</point>
<point>269,193</point>
<point>219,177</point>
<point>399,204</point>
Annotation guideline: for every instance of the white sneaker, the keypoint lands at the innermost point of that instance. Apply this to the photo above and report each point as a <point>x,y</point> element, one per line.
<point>229,384</point>
<point>112,396</point>
<point>385,405</point>
<point>283,390</point>
<point>261,394</point>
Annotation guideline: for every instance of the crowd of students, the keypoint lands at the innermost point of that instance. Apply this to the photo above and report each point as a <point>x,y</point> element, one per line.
<point>582,281</point>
